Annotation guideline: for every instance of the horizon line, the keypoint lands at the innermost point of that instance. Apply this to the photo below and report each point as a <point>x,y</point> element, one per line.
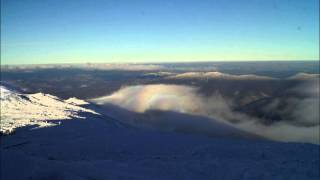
<point>160,62</point>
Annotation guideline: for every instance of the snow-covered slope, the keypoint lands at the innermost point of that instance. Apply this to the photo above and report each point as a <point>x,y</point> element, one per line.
<point>95,146</point>
<point>18,110</point>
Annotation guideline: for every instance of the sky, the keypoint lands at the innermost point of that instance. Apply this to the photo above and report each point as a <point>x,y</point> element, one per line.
<point>116,31</point>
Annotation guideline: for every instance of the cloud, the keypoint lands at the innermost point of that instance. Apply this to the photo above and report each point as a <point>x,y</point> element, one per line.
<point>219,75</point>
<point>304,76</point>
<point>170,107</point>
<point>88,66</point>
<point>301,104</point>
<point>186,99</point>
<point>159,74</point>
<point>161,97</point>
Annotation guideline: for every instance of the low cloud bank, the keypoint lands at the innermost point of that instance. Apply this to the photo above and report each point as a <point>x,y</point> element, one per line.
<point>304,76</point>
<point>159,97</point>
<point>303,127</point>
<point>88,66</point>
<point>219,75</point>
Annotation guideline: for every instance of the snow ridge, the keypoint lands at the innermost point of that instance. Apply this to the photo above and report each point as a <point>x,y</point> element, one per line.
<point>18,110</point>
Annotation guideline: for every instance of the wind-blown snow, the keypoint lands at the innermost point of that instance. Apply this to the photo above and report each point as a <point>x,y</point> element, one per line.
<point>18,110</point>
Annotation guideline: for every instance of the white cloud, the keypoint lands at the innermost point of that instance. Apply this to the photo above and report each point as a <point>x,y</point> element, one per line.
<point>219,75</point>
<point>185,99</point>
<point>89,66</point>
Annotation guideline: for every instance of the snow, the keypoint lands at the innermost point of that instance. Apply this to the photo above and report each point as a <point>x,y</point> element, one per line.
<point>4,93</point>
<point>89,144</point>
<point>76,101</point>
<point>18,110</point>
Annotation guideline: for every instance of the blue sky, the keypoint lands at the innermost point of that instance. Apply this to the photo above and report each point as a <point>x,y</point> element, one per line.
<point>80,31</point>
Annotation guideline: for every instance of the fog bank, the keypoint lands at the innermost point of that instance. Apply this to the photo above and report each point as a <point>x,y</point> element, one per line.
<point>303,127</point>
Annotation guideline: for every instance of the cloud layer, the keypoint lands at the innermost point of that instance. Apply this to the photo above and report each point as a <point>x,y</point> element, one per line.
<point>218,75</point>
<point>303,127</point>
<point>88,66</point>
